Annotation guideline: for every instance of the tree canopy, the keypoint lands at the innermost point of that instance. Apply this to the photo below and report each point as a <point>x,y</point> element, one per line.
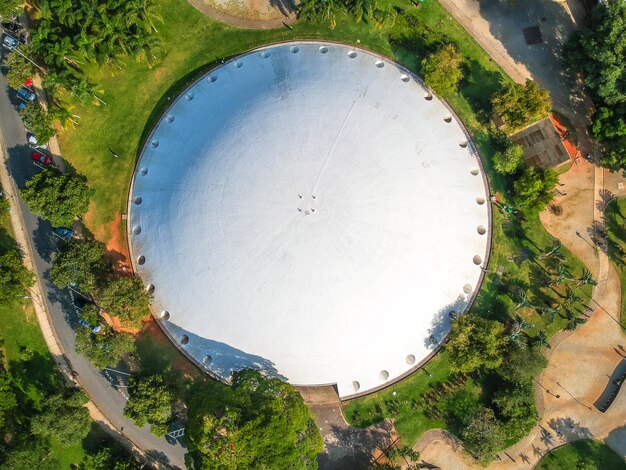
<point>10,7</point>
<point>126,298</point>
<point>259,423</point>
<point>442,69</point>
<point>475,342</point>
<point>521,105</point>
<point>106,348</point>
<point>80,262</point>
<point>483,435</point>
<point>509,161</point>
<point>535,189</point>
<point>20,69</point>
<point>37,120</point>
<point>15,279</point>
<point>150,401</point>
<point>64,418</point>
<point>58,197</point>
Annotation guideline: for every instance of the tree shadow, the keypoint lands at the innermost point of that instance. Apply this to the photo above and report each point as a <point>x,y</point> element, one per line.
<point>352,448</point>
<point>35,374</point>
<point>569,428</point>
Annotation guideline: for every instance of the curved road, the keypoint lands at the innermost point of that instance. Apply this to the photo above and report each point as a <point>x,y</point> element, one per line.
<point>59,303</point>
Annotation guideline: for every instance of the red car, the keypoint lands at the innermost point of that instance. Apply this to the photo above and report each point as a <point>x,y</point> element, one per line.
<point>41,158</point>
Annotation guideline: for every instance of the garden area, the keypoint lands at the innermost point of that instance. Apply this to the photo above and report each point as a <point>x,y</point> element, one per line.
<point>583,455</point>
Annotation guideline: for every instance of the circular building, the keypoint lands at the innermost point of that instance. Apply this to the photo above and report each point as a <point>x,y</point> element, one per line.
<point>310,210</point>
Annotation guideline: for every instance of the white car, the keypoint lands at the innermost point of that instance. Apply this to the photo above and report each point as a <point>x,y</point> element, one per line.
<point>33,142</point>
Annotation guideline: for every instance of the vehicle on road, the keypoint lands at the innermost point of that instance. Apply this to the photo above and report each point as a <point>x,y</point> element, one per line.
<point>33,142</point>
<point>9,42</point>
<point>11,26</point>
<point>64,233</point>
<point>26,94</point>
<point>41,158</point>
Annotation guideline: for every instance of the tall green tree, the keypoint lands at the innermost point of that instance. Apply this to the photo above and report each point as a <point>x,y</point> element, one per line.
<point>516,404</point>
<point>509,161</point>
<point>10,7</point>
<point>20,69</point>
<point>126,298</point>
<point>64,418</point>
<point>37,120</point>
<point>521,105</point>
<point>150,401</point>
<point>259,423</point>
<point>521,365</point>
<point>535,189</point>
<point>106,348</point>
<point>58,197</point>
<point>15,279</point>
<point>80,262</point>
<point>475,342</point>
<point>442,69</point>
<point>483,435</point>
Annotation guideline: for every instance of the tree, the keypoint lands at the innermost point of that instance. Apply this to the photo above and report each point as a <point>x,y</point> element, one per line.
<point>320,10</point>
<point>112,458</point>
<point>63,417</point>
<point>37,120</point>
<point>541,339</point>
<point>442,69</point>
<point>10,7</point>
<point>408,459</point>
<point>259,422</point>
<point>80,262</point>
<point>509,161</point>
<point>106,348</point>
<point>573,320</point>
<point>126,298</point>
<point>521,105</point>
<point>586,279</point>
<point>475,342</point>
<point>517,405</point>
<point>20,69</point>
<point>30,455</point>
<point>150,401</point>
<point>58,197</point>
<point>8,399</point>
<point>483,435</point>
<point>15,279</point>
<point>535,189</point>
<point>521,365</point>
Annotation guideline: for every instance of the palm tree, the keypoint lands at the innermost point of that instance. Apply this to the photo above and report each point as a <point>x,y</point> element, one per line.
<point>517,335</point>
<point>62,112</point>
<point>562,275</point>
<point>541,340</point>
<point>573,321</point>
<point>570,298</point>
<point>554,252</point>
<point>522,300</point>
<point>586,278</point>
<point>362,9</point>
<point>550,313</point>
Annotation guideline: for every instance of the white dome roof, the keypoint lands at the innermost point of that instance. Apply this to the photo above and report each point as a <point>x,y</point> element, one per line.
<point>311,210</point>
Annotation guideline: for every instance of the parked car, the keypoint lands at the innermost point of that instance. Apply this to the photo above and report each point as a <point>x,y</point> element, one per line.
<point>9,42</point>
<point>21,106</point>
<point>41,158</point>
<point>11,26</point>
<point>94,329</point>
<point>25,94</point>
<point>33,142</point>
<point>64,233</point>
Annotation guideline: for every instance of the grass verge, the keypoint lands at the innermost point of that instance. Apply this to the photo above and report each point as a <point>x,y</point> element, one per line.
<point>615,220</point>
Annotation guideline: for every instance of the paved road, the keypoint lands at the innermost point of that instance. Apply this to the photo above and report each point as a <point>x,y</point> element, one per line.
<point>98,387</point>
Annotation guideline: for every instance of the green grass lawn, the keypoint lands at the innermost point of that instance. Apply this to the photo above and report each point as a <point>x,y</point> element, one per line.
<point>137,95</point>
<point>615,215</point>
<point>585,455</point>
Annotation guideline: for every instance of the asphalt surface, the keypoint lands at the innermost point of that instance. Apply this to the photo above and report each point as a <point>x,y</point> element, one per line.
<point>97,384</point>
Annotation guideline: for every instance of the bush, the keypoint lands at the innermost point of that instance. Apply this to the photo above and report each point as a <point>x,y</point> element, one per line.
<point>20,69</point>
<point>150,401</point>
<point>483,434</point>
<point>125,298</point>
<point>64,418</point>
<point>442,69</point>
<point>15,279</point>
